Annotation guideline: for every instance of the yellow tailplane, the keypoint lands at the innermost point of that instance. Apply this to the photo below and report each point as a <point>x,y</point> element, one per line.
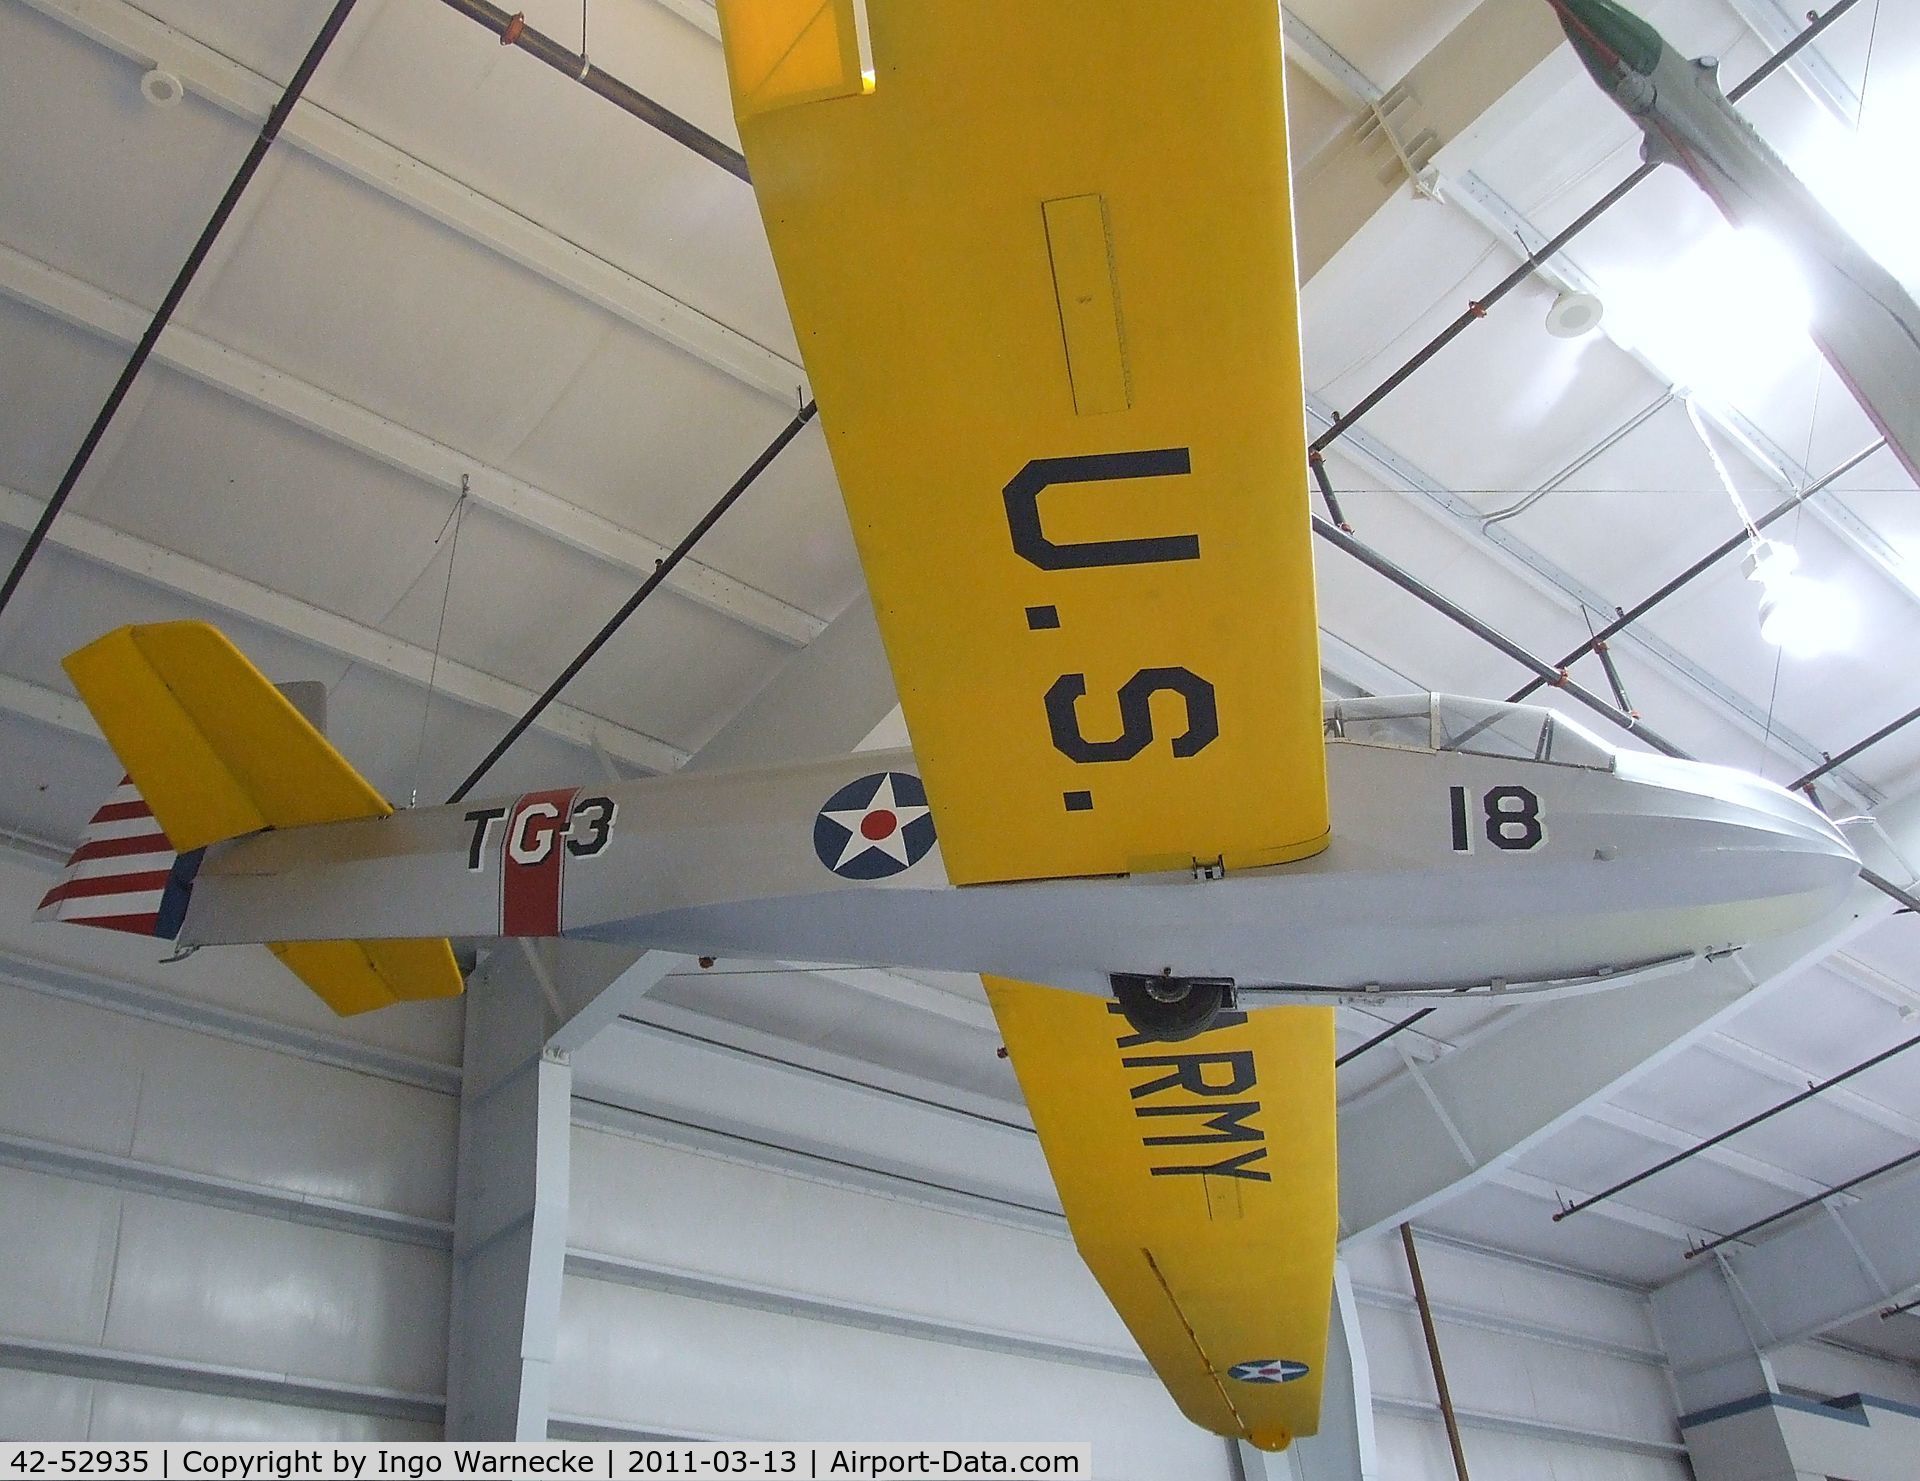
<point>217,752</point>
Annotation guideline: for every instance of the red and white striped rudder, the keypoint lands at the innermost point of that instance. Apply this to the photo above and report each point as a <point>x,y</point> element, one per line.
<point>125,875</point>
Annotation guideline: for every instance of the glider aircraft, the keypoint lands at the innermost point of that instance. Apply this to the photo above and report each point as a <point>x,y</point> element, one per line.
<point>1039,258</point>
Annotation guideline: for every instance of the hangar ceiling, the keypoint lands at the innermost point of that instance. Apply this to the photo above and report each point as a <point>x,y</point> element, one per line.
<point>459,272</point>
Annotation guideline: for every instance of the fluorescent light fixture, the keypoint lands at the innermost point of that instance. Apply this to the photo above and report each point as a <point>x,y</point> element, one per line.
<point>1728,318</point>
<point>1801,616</point>
<point>1772,563</point>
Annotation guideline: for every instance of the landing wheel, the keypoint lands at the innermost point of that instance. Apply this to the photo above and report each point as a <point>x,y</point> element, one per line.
<point>1169,1009</point>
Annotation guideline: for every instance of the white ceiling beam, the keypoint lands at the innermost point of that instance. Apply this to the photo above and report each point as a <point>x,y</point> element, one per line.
<point>1442,100</point>
<point>1613,1210</point>
<point>46,706</point>
<point>1357,669</point>
<point>32,282</point>
<point>1785,1284</point>
<point>1776,26</point>
<point>1732,1050</point>
<point>891,987</point>
<point>1466,75</point>
<point>1447,102</point>
<point>326,136</point>
<point>697,13</point>
<point>821,702</point>
<point>342,636</point>
<point>1473,198</point>
<point>1677,1139</point>
<point>1870,979</point>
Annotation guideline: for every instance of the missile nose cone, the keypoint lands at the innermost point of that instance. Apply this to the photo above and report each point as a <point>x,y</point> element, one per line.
<point>1609,38</point>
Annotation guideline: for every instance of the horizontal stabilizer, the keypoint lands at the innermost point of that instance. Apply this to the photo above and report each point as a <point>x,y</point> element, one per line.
<point>214,748</point>
<point>358,976</point>
<point>214,751</point>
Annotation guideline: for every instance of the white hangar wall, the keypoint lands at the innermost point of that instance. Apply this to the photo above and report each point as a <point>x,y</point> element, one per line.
<point>858,1313</point>
<point>224,1213</point>
<point>1552,1374</point>
<point>1819,1370</point>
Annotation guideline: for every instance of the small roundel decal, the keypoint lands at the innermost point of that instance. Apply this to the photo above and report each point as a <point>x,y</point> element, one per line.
<point>1268,1370</point>
<point>874,828</point>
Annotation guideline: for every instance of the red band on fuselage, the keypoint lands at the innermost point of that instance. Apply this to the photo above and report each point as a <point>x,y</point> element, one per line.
<point>532,863</point>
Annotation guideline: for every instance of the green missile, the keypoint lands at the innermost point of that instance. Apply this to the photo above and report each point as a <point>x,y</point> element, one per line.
<point>1610,40</point>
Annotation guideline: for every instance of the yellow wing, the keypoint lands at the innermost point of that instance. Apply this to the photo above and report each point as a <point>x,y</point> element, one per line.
<point>217,751</point>
<point>1039,257</point>
<point>1198,1179</point>
<point>1042,274</point>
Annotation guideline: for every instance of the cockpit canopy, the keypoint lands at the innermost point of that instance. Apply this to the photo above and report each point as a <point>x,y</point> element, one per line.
<point>1479,727</point>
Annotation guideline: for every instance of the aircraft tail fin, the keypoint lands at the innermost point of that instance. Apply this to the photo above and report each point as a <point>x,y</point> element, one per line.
<point>214,751</point>
<point>125,875</point>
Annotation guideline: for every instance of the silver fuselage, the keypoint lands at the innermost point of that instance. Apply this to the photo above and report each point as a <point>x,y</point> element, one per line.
<point>1445,869</point>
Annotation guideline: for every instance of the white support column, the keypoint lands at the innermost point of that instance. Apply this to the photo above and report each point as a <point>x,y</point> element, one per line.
<point>529,1008</point>
<point>510,1209</point>
<point>1718,1321</point>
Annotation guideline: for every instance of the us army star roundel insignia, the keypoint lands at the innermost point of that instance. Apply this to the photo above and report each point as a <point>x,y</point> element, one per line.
<point>875,827</point>
<point>1268,1370</point>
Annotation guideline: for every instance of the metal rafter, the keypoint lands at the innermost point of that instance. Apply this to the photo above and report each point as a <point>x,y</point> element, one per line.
<point>1478,201</point>
<point>34,283</point>
<point>105,546</point>
<point>210,233</point>
<point>327,136</point>
<point>1730,1049</point>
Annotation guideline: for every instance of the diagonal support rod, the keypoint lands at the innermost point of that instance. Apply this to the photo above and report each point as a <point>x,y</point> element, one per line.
<point>1452,610</point>
<point>513,30</point>
<point>183,280</point>
<point>633,603</point>
<point>1812,1092</point>
<point>1803,1205</point>
<point>1720,552</point>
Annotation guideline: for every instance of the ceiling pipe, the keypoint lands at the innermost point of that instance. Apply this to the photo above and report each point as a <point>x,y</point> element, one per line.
<point>1555,677</point>
<point>1380,1038</point>
<point>1433,1354</point>
<point>183,280</point>
<point>1720,552</point>
<point>1414,586</point>
<point>1573,470</point>
<point>1803,1205</point>
<point>1834,762</point>
<point>513,30</point>
<point>1812,1092</point>
<point>1478,308</point>
<point>633,603</point>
